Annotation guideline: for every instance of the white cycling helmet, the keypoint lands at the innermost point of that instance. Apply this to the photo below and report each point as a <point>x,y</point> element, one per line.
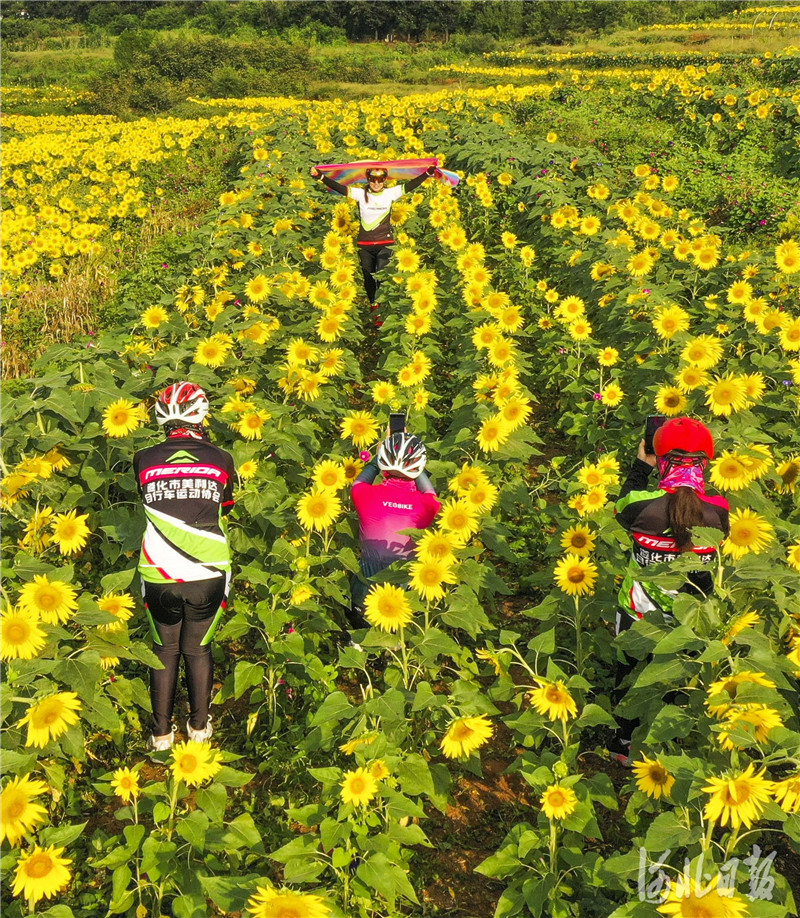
<point>182,403</point>
<point>402,454</point>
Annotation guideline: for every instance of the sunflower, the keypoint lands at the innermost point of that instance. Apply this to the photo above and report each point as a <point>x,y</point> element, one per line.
<point>378,770</point>
<point>558,802</point>
<point>154,316</point>
<point>578,540</point>
<point>612,395</point>
<point>579,330</point>
<point>553,700</point>
<point>211,352</point>
<point>50,718</point>
<point>726,394</point>
<point>669,321</point>
<point>330,362</point>
<point>21,637</point>
<point>438,545</point>
<point>387,607</point>
<point>18,815</point>
<point>429,575</point>
<point>52,600</point>
<point>789,473</point>
<point>608,357</point>
<point>737,799</point>
<point>318,509</point>
<point>350,747</point>
<point>652,778</point>
<point>595,499</point>
<point>194,763</point>
<point>329,476</point>
<point>515,411</point>
<point>787,256</point>
<point>300,352</point>
<point>690,378</point>
<point>251,422</point>
<point>41,873</point>
<point>749,532</point>
<point>268,902</point>
<point>640,264</point>
<point>493,434</point>
<point>460,517</point>
<point>793,556</point>
<point>689,898</point>
<point>358,787</point>
<point>729,472</point>
<point>248,469</point>
<point>670,401</point>
<point>790,335</point>
<point>465,735</point>
<point>352,468</point>
<point>360,427</point>
<point>482,497</point>
<point>467,478</point>
<point>760,717</point>
<point>575,575</point>
<point>125,783</point>
<point>730,685</point>
<point>704,352</point>
<point>787,794</point>
<point>121,418</point>
<point>70,531</point>
<point>120,605</point>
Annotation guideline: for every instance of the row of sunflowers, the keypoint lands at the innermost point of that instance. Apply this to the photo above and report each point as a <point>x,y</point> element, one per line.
<point>549,300</point>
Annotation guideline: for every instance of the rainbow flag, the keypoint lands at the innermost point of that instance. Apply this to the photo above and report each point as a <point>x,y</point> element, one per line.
<point>400,170</point>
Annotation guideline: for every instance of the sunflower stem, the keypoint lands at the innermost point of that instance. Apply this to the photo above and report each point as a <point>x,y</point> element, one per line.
<point>553,846</point>
<point>578,637</point>
<point>706,843</point>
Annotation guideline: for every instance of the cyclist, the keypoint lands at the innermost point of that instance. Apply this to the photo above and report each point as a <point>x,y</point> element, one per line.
<point>660,524</point>
<point>660,521</point>
<point>186,486</point>
<point>404,499</point>
<point>375,237</point>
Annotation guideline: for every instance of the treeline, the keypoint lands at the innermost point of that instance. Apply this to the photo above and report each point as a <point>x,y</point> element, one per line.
<point>326,21</point>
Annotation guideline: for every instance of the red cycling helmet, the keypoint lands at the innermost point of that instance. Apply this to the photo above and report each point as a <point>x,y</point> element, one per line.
<point>183,402</point>
<point>684,434</point>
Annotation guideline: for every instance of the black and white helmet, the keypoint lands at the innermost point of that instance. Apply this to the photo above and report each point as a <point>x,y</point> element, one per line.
<point>182,403</point>
<point>402,454</point>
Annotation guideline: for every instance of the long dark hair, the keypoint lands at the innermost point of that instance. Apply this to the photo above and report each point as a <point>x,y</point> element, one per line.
<point>684,510</point>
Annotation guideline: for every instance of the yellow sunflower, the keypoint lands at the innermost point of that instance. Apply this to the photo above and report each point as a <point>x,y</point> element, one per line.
<point>575,575</point>
<point>558,802</point>
<point>387,607</point>
<point>50,717</point>
<point>358,787</point>
<point>70,531</point>
<point>737,799</point>
<point>21,637</point>
<point>268,902</point>
<point>41,873</point>
<point>749,532</point>
<point>52,600</point>
<point>194,763</point>
<point>360,427</point>
<point>553,700</point>
<point>121,418</point>
<point>429,577</point>
<point>465,735</point>
<point>19,816</point>
<point>653,778</point>
<point>318,509</point>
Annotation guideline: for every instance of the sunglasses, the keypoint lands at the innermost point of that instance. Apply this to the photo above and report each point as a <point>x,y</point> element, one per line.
<point>376,178</point>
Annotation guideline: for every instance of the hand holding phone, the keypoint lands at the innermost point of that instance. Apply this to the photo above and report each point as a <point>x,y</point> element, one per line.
<point>654,421</point>
<point>397,422</point>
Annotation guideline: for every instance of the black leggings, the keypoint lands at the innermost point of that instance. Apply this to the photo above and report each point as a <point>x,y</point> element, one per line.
<point>373,258</point>
<point>183,619</point>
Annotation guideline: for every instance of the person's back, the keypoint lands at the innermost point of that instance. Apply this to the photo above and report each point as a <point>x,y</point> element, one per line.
<point>660,521</point>
<point>404,499</point>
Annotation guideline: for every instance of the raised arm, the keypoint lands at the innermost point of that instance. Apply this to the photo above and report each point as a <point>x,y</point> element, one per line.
<point>419,179</point>
<point>329,182</point>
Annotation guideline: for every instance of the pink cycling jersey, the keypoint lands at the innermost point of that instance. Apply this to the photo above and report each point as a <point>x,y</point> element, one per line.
<point>386,509</point>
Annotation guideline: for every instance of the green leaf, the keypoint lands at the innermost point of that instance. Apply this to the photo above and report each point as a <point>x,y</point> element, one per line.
<point>335,707</point>
<point>246,675</point>
<point>242,833</point>
<point>231,777</point>
<point>415,776</point>
<point>593,715</point>
<point>671,722</point>
<point>231,893</point>
<point>118,582</point>
<point>378,873</point>
<point>193,829</point>
<point>62,836</point>
<point>667,833</point>
<point>211,801</point>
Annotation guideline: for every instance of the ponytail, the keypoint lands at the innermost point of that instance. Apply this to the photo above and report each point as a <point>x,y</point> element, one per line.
<point>684,510</point>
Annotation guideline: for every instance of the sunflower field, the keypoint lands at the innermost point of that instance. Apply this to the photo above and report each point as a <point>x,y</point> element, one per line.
<point>453,762</point>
